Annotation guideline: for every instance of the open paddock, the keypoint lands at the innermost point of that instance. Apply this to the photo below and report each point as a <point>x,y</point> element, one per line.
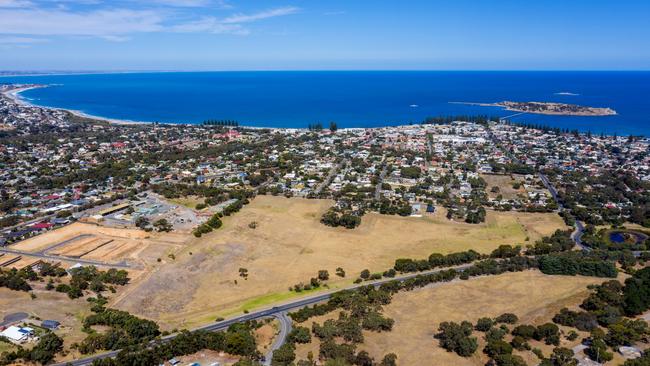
<point>289,245</point>
<point>504,182</point>
<point>534,297</point>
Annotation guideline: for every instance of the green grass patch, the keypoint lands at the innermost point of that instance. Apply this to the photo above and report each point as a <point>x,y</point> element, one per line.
<point>189,202</point>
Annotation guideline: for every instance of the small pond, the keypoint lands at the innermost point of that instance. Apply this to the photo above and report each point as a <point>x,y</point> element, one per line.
<point>630,237</point>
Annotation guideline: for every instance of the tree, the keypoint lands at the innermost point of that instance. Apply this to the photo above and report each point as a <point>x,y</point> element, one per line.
<point>389,360</point>
<point>48,346</point>
<point>340,272</point>
<point>333,126</point>
<point>509,360</point>
<point>484,324</point>
<point>562,357</point>
<point>498,347</point>
<point>163,225</point>
<point>300,335</point>
<point>507,318</point>
<point>597,350</point>
<point>142,222</point>
<point>323,275</point>
<point>365,274</point>
<point>284,355</point>
<point>455,337</point>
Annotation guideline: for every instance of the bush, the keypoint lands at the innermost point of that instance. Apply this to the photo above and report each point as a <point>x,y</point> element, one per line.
<point>455,337</point>
<point>507,318</point>
<point>484,324</point>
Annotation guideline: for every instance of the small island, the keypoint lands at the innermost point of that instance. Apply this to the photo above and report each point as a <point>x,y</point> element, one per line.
<point>550,108</point>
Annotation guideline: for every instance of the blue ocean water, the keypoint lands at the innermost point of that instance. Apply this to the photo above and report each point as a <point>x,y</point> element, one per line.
<point>351,98</point>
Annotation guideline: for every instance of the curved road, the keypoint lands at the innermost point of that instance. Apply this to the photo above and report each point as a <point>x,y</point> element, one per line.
<point>579,228</point>
<point>276,311</point>
<point>285,329</point>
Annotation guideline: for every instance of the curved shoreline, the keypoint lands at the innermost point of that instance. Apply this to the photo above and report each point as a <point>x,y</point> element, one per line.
<point>15,95</point>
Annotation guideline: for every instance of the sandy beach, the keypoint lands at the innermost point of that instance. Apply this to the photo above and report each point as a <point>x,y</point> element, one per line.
<point>14,94</point>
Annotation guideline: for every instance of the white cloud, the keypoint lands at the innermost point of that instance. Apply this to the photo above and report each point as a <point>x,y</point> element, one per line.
<point>210,25</point>
<point>247,18</point>
<point>21,40</point>
<point>115,24</point>
<point>15,3</point>
<point>100,23</point>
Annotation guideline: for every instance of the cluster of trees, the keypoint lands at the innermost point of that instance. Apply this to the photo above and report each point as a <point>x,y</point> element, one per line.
<point>436,260</point>
<point>126,330</point>
<point>314,282</point>
<point>559,241</point>
<point>395,207</point>
<point>445,120</point>
<point>576,263</point>
<point>587,204</point>
<point>43,352</point>
<point>16,280</point>
<point>456,338</point>
<point>345,219</point>
<point>222,122</point>
<point>215,221</point>
<point>604,314</point>
<point>410,172</point>
<point>475,215</point>
<point>237,340</point>
<point>91,278</point>
<point>163,225</point>
<point>212,224</point>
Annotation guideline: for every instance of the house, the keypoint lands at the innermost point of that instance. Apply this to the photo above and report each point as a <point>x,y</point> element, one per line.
<point>18,334</point>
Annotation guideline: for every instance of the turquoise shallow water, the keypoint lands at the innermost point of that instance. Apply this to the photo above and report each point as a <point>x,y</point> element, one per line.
<point>351,98</point>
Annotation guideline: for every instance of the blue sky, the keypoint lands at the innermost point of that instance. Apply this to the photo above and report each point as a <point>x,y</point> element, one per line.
<point>331,34</point>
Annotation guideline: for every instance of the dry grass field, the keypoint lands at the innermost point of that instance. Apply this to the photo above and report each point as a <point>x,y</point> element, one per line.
<point>504,182</point>
<point>290,245</point>
<point>533,296</point>
<point>48,305</point>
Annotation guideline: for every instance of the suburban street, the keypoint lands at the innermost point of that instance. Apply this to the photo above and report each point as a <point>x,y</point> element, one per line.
<point>330,176</point>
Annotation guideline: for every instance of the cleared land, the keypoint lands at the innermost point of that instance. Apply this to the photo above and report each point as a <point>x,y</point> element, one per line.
<point>90,241</point>
<point>504,182</point>
<point>533,296</point>
<point>290,245</point>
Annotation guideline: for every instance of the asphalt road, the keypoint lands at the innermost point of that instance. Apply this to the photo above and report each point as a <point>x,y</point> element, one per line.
<point>579,228</point>
<point>275,311</point>
<point>330,175</point>
<point>56,258</point>
<point>285,329</point>
<point>382,175</point>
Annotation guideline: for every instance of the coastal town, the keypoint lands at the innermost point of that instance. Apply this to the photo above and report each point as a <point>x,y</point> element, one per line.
<point>166,202</point>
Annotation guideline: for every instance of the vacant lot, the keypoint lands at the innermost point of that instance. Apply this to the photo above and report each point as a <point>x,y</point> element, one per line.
<point>504,182</point>
<point>110,245</point>
<point>534,297</point>
<point>289,245</point>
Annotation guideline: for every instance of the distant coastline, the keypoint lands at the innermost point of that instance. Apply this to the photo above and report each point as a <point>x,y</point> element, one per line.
<point>351,99</point>
<point>14,94</point>
<point>548,108</point>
